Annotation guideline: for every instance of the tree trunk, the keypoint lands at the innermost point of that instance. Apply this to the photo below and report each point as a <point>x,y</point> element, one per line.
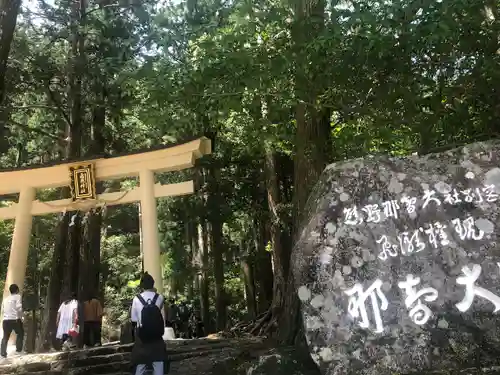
<point>203,277</point>
<point>217,246</point>
<point>65,262</point>
<point>74,133</point>
<point>9,9</point>
<point>263,267</point>
<point>312,144</point>
<point>91,250</point>
<point>189,235</point>
<point>313,135</point>
<point>196,260</point>
<point>248,277</point>
<point>281,254</point>
<point>104,279</point>
<point>72,266</point>
<point>201,258</point>
<point>53,299</point>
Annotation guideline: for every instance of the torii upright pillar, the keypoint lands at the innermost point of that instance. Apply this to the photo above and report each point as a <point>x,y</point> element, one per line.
<point>19,248</point>
<point>150,237</point>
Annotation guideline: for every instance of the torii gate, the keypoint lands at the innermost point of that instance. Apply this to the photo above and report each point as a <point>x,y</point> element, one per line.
<point>81,177</point>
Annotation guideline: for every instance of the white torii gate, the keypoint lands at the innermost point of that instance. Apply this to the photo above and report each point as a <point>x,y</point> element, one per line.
<point>81,177</point>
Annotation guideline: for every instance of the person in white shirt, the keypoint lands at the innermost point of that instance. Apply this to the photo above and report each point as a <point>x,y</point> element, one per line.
<point>67,321</point>
<point>152,352</point>
<point>12,320</point>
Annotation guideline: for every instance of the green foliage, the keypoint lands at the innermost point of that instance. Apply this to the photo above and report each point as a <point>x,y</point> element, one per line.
<point>122,264</point>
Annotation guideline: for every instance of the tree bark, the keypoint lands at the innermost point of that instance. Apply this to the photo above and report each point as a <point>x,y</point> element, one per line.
<point>65,272</point>
<point>9,10</point>
<point>281,254</point>
<point>312,144</point>
<point>53,299</point>
<point>217,246</point>
<point>248,277</point>
<point>313,136</point>
<point>201,258</point>
<point>90,257</point>
<point>203,277</point>
<point>263,267</point>
<point>191,240</point>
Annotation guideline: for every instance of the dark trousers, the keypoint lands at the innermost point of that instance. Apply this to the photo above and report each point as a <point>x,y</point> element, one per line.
<point>92,333</point>
<point>8,327</point>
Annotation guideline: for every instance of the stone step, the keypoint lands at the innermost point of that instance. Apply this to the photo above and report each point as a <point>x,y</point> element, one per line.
<point>115,359</point>
<point>33,367</point>
<point>64,373</point>
<point>108,368</point>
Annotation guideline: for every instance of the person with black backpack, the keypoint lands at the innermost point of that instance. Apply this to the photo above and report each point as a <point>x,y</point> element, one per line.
<point>147,316</point>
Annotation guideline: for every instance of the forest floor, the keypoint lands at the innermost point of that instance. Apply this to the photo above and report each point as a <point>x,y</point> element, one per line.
<point>242,356</point>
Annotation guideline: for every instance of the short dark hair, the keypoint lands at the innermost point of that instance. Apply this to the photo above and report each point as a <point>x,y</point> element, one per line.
<point>13,289</point>
<point>91,296</point>
<point>147,281</point>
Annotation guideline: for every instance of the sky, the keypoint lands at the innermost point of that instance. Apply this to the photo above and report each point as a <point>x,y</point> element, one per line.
<point>32,4</point>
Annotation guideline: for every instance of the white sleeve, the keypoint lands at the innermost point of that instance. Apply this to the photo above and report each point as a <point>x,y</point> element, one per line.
<point>134,313</point>
<point>19,306</point>
<point>160,301</point>
<point>161,304</point>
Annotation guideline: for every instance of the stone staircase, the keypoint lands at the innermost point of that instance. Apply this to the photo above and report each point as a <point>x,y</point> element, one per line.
<point>186,357</point>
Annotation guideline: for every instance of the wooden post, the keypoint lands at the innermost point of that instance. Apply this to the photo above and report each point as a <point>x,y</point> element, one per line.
<point>18,258</point>
<point>149,226</point>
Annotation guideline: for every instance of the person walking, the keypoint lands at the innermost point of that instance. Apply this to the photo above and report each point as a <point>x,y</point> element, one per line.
<point>92,322</point>
<point>67,322</point>
<point>172,316</point>
<point>147,316</point>
<point>12,320</point>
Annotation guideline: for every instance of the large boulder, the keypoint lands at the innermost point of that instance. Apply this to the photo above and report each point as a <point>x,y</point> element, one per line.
<point>398,264</point>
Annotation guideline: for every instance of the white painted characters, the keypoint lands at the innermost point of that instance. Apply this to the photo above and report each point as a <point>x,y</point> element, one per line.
<point>429,196</point>
<point>489,192</point>
<point>466,229</point>
<point>419,313</point>
<point>410,204</point>
<point>416,300</point>
<point>410,243</point>
<point>352,216</point>
<point>378,212</point>
<point>373,213</point>
<point>357,304</point>
<point>452,197</point>
<point>436,234</point>
<point>388,249</point>
<point>391,208</point>
<point>471,289</point>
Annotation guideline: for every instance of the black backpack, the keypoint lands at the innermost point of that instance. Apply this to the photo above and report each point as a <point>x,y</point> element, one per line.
<point>152,324</point>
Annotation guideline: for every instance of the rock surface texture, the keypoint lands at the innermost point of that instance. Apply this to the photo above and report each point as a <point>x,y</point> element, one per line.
<point>203,357</point>
<point>398,264</point>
